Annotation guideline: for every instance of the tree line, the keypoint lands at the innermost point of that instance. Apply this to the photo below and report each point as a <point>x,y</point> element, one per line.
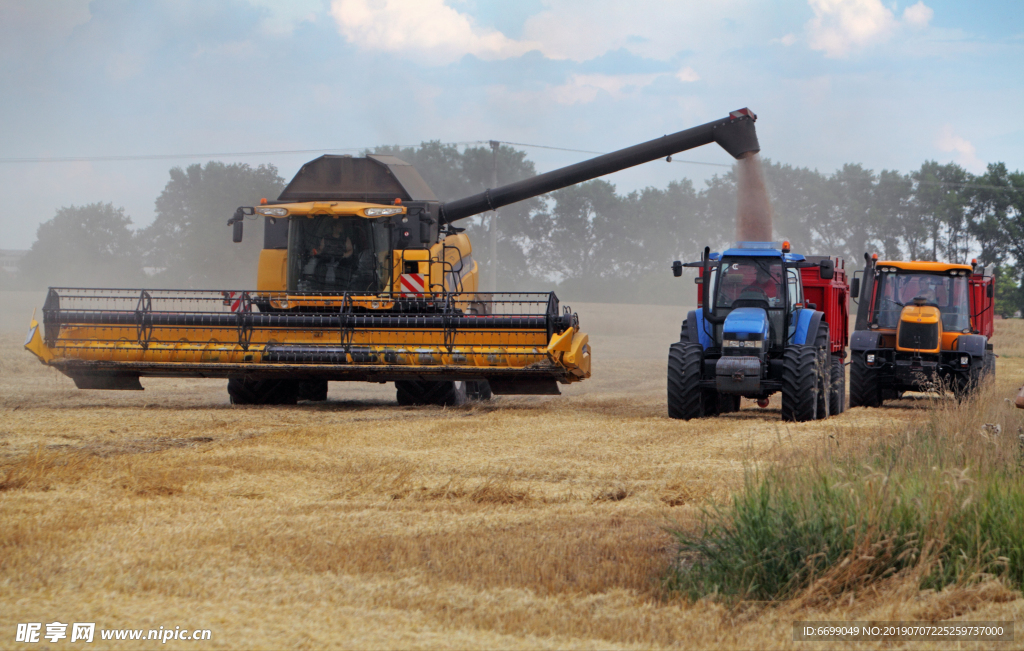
<point>589,242</point>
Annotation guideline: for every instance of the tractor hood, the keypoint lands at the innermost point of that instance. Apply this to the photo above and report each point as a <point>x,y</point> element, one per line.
<point>746,323</point>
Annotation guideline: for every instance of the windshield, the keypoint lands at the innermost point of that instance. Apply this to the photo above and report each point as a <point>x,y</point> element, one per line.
<point>751,282</point>
<point>338,254</point>
<point>898,288</point>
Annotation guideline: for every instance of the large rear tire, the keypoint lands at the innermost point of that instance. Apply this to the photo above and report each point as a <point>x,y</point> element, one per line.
<point>418,392</point>
<point>837,396</point>
<point>864,385</point>
<point>684,393</point>
<point>263,392</point>
<point>800,383</point>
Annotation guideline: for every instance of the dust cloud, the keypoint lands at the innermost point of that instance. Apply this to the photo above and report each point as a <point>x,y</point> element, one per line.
<point>753,210</point>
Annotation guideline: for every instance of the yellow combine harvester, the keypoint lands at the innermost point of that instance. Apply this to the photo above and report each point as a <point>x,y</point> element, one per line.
<point>364,277</point>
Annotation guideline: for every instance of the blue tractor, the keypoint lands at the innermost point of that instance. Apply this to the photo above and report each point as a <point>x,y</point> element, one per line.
<point>755,333</point>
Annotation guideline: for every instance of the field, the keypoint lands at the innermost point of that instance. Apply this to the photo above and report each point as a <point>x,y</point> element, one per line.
<point>525,522</point>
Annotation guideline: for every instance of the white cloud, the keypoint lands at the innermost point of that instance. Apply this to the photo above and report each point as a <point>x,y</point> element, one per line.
<point>687,74</point>
<point>839,26</point>
<point>428,29</point>
<point>786,40</point>
<point>918,15</point>
<point>582,89</point>
<point>964,150</point>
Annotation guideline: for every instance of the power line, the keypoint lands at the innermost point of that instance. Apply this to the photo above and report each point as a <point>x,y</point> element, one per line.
<point>288,152</point>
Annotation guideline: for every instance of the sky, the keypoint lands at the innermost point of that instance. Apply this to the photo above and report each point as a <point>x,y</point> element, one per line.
<point>884,84</point>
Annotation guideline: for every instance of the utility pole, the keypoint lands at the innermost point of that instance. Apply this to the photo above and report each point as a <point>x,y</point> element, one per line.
<point>493,280</point>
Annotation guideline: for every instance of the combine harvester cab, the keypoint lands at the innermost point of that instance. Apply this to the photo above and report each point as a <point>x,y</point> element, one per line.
<point>767,320</point>
<point>363,276</point>
<point>921,326</point>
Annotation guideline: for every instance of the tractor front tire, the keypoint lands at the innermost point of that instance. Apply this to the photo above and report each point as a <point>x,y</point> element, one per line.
<point>837,396</point>
<point>419,392</point>
<point>864,384</point>
<point>800,382</point>
<point>263,392</point>
<point>684,394</point>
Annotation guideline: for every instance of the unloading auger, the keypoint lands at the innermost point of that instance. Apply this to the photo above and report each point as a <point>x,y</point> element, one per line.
<point>363,276</point>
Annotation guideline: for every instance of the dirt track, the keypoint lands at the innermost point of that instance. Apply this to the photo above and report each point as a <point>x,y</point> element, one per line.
<point>524,522</point>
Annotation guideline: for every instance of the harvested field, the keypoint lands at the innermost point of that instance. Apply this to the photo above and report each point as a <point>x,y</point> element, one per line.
<point>525,522</point>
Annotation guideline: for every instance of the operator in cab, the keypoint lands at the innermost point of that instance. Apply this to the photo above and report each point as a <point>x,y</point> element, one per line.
<point>341,261</point>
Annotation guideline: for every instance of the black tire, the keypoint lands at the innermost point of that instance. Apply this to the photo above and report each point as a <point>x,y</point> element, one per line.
<point>726,403</point>
<point>864,385</point>
<point>263,392</point>
<point>313,390</point>
<point>478,390</point>
<point>800,381</point>
<point>684,394</point>
<point>837,396</point>
<point>989,369</point>
<point>824,371</point>
<point>684,333</point>
<point>418,392</point>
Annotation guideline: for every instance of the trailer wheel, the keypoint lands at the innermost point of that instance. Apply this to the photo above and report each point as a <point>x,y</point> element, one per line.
<point>837,396</point>
<point>823,369</point>
<point>420,392</point>
<point>800,382</point>
<point>478,390</point>
<point>313,390</point>
<point>684,393</point>
<point>263,392</point>
<point>864,384</point>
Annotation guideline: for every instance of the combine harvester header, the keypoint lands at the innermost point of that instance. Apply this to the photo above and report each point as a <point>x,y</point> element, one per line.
<point>363,276</point>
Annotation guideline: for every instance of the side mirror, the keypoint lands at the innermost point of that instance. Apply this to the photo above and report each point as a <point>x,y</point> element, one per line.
<point>677,268</point>
<point>855,288</point>
<point>828,269</point>
<point>249,210</point>
<point>425,223</point>
<point>236,234</point>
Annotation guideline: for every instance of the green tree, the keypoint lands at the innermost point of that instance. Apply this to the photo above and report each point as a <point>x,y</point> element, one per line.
<point>190,242</point>
<point>83,246</point>
<point>941,207</point>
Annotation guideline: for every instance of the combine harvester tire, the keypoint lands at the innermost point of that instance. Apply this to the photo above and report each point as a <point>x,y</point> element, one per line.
<point>419,392</point>
<point>263,392</point>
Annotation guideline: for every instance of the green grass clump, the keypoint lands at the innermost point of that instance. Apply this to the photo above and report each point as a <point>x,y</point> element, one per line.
<point>945,499</point>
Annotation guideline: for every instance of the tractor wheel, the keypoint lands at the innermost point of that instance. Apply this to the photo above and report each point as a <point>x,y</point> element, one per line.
<point>263,392</point>
<point>800,381</point>
<point>313,390</point>
<point>864,389</point>
<point>726,403</point>
<point>989,369</point>
<point>837,396</point>
<point>478,390</point>
<point>419,392</point>
<point>684,394</point>
<point>684,333</point>
<point>824,371</point>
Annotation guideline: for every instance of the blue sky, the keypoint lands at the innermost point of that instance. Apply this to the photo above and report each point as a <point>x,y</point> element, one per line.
<point>887,85</point>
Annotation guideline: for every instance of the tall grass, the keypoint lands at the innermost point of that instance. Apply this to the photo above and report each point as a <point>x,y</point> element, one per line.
<point>943,500</point>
